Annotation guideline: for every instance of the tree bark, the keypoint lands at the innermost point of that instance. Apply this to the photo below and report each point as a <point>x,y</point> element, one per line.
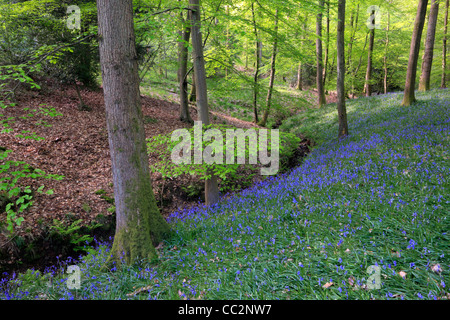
<point>299,77</point>
<point>211,185</point>
<point>424,83</point>
<point>183,54</point>
<point>257,67</point>
<point>300,65</point>
<point>193,93</point>
<point>410,83</point>
<point>319,73</point>
<point>139,225</point>
<point>340,85</point>
<point>367,86</point>
<point>385,81</point>
<point>327,45</point>
<point>444,48</point>
<point>272,73</point>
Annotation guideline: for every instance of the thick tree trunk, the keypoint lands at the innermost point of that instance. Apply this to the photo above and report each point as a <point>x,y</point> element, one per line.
<point>183,54</point>
<point>367,86</point>
<point>385,81</point>
<point>444,48</point>
<point>410,83</point>
<point>272,74</point>
<point>139,225</point>
<point>211,185</point>
<point>424,83</point>
<point>319,73</point>
<point>340,85</point>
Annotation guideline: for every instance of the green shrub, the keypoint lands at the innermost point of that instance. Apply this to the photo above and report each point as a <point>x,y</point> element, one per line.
<point>161,147</point>
<point>73,233</point>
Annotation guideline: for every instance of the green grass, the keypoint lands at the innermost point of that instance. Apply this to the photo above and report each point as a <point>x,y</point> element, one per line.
<point>378,198</point>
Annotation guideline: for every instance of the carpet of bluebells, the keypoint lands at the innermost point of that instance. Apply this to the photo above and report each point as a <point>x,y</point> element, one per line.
<point>362,218</point>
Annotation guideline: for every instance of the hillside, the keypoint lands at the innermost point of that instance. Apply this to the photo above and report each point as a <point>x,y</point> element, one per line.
<point>373,206</point>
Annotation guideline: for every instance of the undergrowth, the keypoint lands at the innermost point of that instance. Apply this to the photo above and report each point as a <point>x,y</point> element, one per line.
<point>375,201</point>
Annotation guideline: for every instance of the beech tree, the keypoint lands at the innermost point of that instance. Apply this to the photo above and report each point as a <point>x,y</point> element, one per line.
<point>367,87</point>
<point>319,60</point>
<point>183,53</point>
<point>211,184</point>
<point>427,61</point>
<point>385,58</point>
<point>258,59</point>
<point>444,48</point>
<point>409,96</point>
<point>139,224</point>
<point>272,73</point>
<point>340,85</point>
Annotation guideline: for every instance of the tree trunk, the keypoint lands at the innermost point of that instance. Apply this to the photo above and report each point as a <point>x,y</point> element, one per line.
<point>385,82</point>
<point>139,225</point>
<point>327,46</point>
<point>183,54</point>
<point>300,65</point>
<point>257,67</point>
<point>319,73</point>
<point>272,73</point>
<point>410,83</point>
<point>299,77</point>
<point>367,86</point>
<point>211,185</point>
<point>340,85</point>
<point>354,27</point>
<point>427,61</point>
<point>444,48</point>
<point>193,94</point>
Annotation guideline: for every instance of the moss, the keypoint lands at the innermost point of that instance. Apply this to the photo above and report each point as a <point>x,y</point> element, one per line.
<point>145,226</point>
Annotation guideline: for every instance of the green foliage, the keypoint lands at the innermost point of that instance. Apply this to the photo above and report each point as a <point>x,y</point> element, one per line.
<point>17,197</point>
<point>162,146</point>
<point>73,233</point>
<point>14,73</point>
<point>35,33</point>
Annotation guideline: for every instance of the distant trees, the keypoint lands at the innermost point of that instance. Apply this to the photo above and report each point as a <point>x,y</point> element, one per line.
<point>409,96</point>
<point>139,225</point>
<point>272,72</point>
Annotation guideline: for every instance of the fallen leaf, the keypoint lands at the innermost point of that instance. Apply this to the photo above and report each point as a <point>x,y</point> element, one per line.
<point>436,268</point>
<point>351,281</point>
<point>327,285</point>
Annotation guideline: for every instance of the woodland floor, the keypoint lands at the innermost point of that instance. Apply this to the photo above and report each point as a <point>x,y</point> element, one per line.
<point>76,146</point>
